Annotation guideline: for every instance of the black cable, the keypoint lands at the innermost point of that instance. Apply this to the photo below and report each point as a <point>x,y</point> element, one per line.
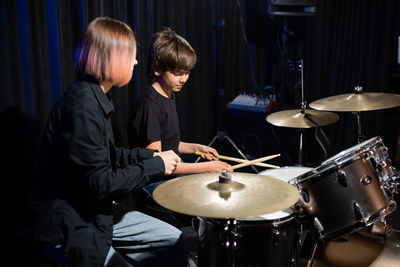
<point>248,49</point>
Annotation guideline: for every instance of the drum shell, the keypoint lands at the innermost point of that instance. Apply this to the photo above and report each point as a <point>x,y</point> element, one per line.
<point>378,155</point>
<point>252,243</point>
<point>342,198</point>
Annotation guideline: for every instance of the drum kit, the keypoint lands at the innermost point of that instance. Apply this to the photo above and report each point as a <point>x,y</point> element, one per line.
<point>262,219</point>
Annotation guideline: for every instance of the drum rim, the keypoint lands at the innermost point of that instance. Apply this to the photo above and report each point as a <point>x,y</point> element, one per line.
<point>286,218</point>
<point>285,168</point>
<point>361,146</point>
<point>336,162</point>
<point>291,216</point>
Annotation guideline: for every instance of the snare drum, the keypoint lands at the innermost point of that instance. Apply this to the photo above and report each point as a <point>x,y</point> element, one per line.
<point>266,240</point>
<point>345,193</point>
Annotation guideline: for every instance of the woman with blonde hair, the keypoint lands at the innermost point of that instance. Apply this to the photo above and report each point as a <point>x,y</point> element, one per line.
<point>83,173</point>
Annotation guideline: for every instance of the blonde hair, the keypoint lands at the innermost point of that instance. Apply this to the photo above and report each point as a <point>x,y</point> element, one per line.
<point>106,51</point>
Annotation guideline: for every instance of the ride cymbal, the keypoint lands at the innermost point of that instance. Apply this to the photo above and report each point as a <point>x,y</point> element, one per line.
<point>298,118</point>
<point>212,195</point>
<point>357,102</point>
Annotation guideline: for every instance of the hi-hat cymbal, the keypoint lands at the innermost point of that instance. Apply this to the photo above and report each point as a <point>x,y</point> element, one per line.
<point>296,118</point>
<point>206,195</point>
<point>357,102</point>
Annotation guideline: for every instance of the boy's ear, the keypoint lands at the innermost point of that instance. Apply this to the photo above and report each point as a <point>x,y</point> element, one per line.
<point>157,73</point>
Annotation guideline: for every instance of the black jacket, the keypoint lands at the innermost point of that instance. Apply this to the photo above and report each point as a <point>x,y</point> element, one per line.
<point>82,173</point>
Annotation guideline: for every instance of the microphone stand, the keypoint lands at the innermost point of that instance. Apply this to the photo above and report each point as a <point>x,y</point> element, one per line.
<point>219,88</point>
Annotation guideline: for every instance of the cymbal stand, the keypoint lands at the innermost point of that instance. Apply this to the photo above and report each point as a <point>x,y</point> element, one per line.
<point>301,148</point>
<point>360,136</point>
<point>303,108</point>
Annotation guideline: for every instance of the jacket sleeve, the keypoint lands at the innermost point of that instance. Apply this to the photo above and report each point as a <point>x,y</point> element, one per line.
<point>94,157</point>
<point>125,156</point>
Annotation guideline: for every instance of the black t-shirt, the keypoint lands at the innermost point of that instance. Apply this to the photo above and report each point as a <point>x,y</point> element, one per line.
<point>155,118</point>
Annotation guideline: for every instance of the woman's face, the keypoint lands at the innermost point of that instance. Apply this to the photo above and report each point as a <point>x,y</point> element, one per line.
<point>128,65</point>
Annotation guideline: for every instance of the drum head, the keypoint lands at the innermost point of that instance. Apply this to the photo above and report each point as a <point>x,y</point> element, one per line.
<point>285,173</point>
<point>275,216</point>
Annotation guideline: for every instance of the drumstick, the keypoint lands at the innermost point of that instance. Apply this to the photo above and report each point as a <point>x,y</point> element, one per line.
<point>236,160</point>
<point>244,164</point>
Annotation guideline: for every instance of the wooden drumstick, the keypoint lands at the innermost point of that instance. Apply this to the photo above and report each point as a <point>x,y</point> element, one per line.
<point>239,160</point>
<point>251,162</point>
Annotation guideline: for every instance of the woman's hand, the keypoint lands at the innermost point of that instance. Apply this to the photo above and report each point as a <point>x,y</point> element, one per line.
<point>170,159</point>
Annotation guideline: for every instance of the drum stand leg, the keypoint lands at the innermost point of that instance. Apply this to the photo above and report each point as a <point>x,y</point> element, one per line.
<point>307,248</point>
<point>313,251</point>
<point>301,149</point>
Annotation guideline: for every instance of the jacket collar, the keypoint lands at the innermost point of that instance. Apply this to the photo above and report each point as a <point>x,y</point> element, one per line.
<point>102,98</point>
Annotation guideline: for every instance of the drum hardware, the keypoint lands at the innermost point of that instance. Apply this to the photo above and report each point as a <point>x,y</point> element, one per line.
<point>304,196</point>
<point>234,207</point>
<point>381,227</point>
<point>318,224</point>
<point>301,118</point>
<point>229,238</point>
<point>269,240</point>
<point>377,155</point>
<point>357,102</point>
<point>341,177</point>
<point>366,180</point>
<point>358,211</point>
<point>312,255</point>
<point>355,197</point>
<point>301,245</point>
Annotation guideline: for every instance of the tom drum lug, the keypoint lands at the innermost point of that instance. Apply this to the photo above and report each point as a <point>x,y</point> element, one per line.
<point>358,211</point>
<point>318,225</point>
<point>366,179</point>
<point>342,177</point>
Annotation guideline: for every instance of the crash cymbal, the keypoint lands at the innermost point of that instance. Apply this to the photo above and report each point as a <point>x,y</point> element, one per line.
<point>357,102</point>
<point>297,118</point>
<point>213,195</point>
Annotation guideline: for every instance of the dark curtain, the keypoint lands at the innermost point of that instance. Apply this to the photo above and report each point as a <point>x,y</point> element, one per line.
<point>240,48</point>
<point>354,44</point>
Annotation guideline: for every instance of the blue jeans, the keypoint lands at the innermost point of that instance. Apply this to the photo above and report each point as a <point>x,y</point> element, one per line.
<point>142,240</point>
<point>151,187</point>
